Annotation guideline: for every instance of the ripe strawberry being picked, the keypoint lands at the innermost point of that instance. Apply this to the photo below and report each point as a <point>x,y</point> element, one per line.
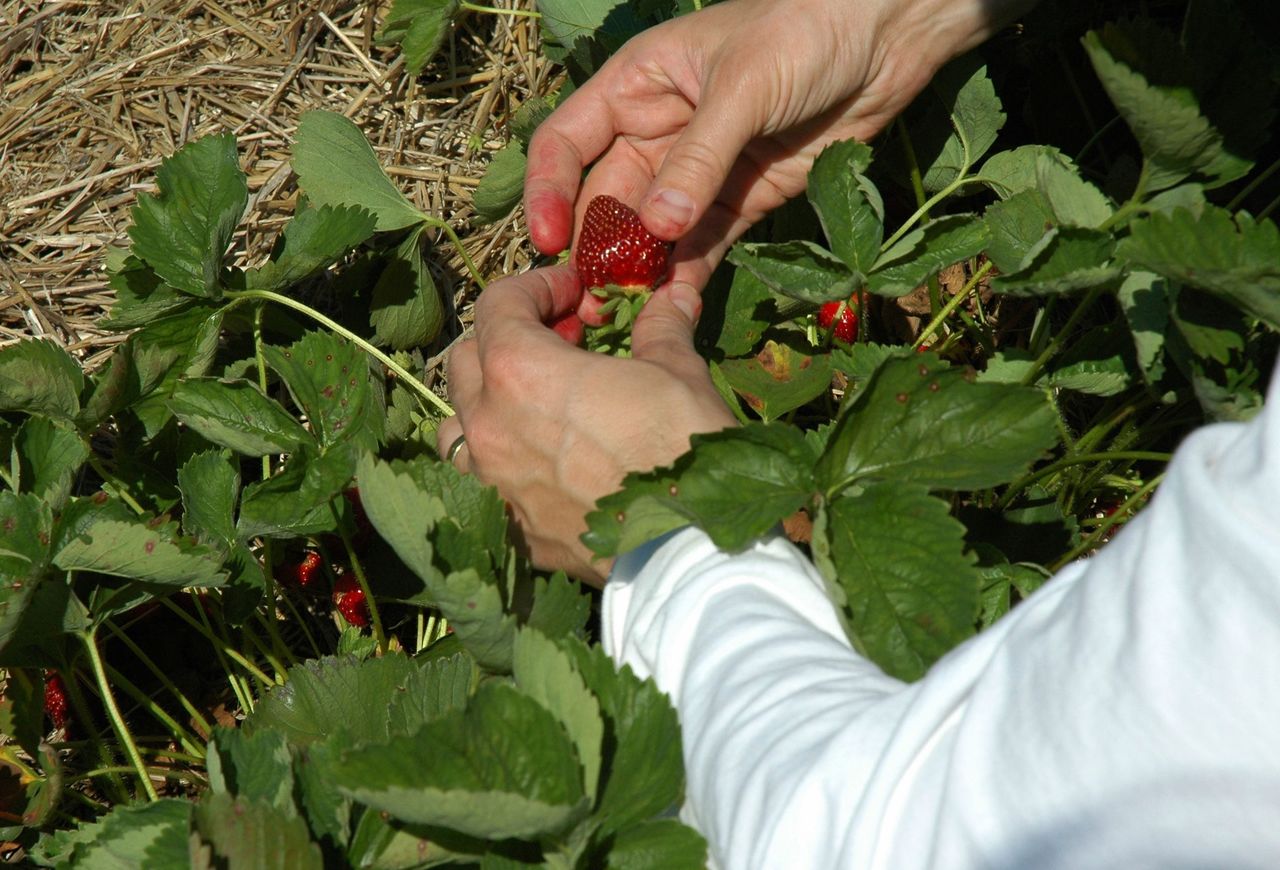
<point>846,325</point>
<point>348,598</point>
<point>615,248</point>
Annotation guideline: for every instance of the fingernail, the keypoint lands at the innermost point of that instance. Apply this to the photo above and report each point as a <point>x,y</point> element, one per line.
<point>684,297</point>
<point>674,206</point>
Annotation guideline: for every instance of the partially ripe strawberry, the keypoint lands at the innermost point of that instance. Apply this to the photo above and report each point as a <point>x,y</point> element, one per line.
<point>348,598</point>
<point>304,573</point>
<point>846,326</point>
<point>615,248</point>
<point>55,699</point>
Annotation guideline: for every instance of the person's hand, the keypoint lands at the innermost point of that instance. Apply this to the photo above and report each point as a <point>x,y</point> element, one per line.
<point>707,122</point>
<point>555,427</point>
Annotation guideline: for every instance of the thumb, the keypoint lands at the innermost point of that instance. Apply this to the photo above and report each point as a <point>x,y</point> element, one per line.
<point>663,331</point>
<point>695,168</point>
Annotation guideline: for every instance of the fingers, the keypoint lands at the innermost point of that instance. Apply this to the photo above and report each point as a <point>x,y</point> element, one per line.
<point>696,166</point>
<point>464,379</point>
<point>578,132</point>
<point>515,309</point>
<point>663,331</point>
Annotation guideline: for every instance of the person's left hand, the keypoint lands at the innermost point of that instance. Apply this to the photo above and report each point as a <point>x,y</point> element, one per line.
<point>555,427</point>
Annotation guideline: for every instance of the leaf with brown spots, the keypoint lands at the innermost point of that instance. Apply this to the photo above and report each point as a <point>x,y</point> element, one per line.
<point>330,380</point>
<point>778,379</point>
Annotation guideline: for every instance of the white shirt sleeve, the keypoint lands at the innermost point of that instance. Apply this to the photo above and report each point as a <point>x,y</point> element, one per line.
<point>1127,714</point>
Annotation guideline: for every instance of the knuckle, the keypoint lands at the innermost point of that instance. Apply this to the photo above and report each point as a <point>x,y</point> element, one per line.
<point>507,371</point>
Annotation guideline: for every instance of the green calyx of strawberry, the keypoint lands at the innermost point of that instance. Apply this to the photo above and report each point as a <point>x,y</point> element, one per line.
<point>615,253</point>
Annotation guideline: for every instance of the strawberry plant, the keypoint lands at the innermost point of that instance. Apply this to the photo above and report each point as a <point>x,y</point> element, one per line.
<point>247,615</point>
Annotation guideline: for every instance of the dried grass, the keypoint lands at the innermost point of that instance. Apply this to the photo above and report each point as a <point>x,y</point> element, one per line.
<point>94,94</point>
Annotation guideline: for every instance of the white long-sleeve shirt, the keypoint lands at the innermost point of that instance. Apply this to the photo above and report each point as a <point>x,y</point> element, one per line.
<point>1125,715</point>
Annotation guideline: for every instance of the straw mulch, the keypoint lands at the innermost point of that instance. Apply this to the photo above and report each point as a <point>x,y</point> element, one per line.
<point>94,94</point>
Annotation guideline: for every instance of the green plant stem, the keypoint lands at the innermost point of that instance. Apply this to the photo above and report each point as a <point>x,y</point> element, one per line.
<point>952,304</point>
<point>1268,209</point>
<point>1077,459</point>
<point>121,491</point>
<point>374,616</point>
<point>1254,183</point>
<point>1042,360</point>
<point>115,785</point>
<point>113,712</point>
<point>441,224</point>
<point>182,735</point>
<point>201,722</point>
<point>1133,204</point>
<point>913,165</point>
<point>219,644</point>
<point>493,10</point>
<point>1099,533</point>
<point>180,775</point>
<point>401,372</point>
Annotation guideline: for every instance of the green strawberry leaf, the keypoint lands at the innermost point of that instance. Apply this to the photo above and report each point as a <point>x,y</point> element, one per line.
<point>329,379</point>
<point>328,696</point>
<point>1017,227</point>
<point>1145,299</point>
<point>336,166</point>
<point>236,415</point>
<point>430,691</point>
<point>644,766</point>
<point>1145,72</point>
<point>941,242</point>
<point>1236,259</point>
<point>420,27</point>
<point>137,835</point>
<point>244,832</point>
<point>315,239</point>
<point>954,121</point>
<point>735,485</point>
<point>255,765</point>
<point>1065,259</point>
<point>141,297</point>
<point>296,500</point>
<point>910,590</point>
<point>502,185</point>
<point>920,421</point>
<point>735,317</point>
<point>210,485</point>
<point>48,453</point>
<point>548,675</point>
<point>183,231</point>
<point>778,379</point>
<point>560,608</point>
<point>848,204</point>
<point>26,525</point>
<point>658,844</point>
<point>1011,172</point>
<point>503,768</point>
<point>164,352</point>
<point>405,311</point>
<point>39,377</point>
<point>100,538</point>
<point>800,270</point>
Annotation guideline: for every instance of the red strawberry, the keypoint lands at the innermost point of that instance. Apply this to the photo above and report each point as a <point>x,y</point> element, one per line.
<point>305,573</point>
<point>615,248</point>
<point>348,597</point>
<point>846,327</point>
<point>55,699</point>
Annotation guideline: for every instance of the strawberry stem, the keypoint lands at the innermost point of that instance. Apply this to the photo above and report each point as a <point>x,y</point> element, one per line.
<point>400,371</point>
<point>374,616</point>
<point>200,721</point>
<point>113,713</point>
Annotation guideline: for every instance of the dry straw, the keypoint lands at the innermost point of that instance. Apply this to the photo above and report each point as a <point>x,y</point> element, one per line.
<point>94,94</point>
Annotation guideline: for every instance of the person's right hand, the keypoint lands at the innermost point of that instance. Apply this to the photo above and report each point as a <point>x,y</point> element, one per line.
<point>706,122</point>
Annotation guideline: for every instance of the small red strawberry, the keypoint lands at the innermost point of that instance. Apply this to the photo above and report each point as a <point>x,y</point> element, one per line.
<point>55,699</point>
<point>348,598</point>
<point>305,573</point>
<point>846,327</point>
<point>615,248</point>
